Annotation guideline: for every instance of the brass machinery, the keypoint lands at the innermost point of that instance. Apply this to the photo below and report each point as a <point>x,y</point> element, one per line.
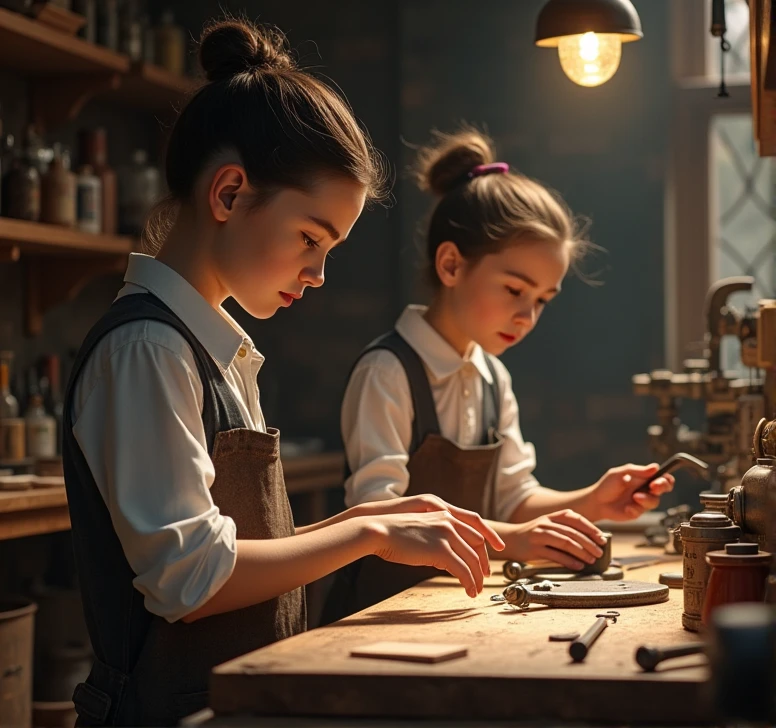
<point>733,405</point>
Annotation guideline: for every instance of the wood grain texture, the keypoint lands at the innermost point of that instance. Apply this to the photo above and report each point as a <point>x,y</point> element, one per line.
<point>512,669</point>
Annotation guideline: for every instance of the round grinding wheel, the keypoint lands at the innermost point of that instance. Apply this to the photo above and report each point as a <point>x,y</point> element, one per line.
<point>587,594</point>
<point>613,573</point>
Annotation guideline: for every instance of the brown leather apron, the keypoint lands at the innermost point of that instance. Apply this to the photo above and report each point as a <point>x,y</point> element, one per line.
<point>148,671</point>
<point>463,476</point>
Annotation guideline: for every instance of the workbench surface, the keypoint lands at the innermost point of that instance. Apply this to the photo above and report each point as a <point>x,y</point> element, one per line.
<point>512,671</point>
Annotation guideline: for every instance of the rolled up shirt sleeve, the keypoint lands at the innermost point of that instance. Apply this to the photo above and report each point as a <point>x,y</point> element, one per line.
<point>377,429</point>
<point>138,421</point>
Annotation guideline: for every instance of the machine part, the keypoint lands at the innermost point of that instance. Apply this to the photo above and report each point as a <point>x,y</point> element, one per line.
<point>586,594</point>
<point>675,462</point>
<point>747,503</point>
<point>703,533</point>
<point>579,648</point>
<point>648,658</point>
<point>671,580</point>
<point>721,318</point>
<point>565,637</point>
<point>714,502</point>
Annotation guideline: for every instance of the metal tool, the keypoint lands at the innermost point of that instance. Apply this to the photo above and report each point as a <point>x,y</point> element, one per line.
<point>675,462</point>
<point>579,648</point>
<point>648,658</point>
<point>733,405</point>
<point>514,570</point>
<point>583,594</point>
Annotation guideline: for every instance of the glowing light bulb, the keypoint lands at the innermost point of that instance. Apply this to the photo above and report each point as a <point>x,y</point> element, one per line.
<point>590,59</point>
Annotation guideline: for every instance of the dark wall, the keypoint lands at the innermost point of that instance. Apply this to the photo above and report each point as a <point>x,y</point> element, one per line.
<point>310,347</point>
<point>410,65</point>
<point>604,149</point>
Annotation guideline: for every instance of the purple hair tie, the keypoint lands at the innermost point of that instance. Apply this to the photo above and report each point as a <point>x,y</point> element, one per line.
<point>493,168</point>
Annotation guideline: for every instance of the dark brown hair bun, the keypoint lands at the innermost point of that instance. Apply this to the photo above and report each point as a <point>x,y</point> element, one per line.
<point>234,46</point>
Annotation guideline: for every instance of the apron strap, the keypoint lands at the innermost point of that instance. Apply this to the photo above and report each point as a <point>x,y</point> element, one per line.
<point>491,403</point>
<point>425,421</point>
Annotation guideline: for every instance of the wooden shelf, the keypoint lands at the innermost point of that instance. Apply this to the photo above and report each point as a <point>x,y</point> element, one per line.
<point>44,510</point>
<point>58,262</point>
<point>154,88</point>
<point>36,49</point>
<point>67,71</point>
<point>40,238</point>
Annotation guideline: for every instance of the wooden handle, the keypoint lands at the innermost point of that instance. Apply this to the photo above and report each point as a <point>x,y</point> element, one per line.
<point>649,658</point>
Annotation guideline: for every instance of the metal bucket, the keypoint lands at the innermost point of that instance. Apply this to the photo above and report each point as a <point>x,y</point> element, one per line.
<point>17,619</point>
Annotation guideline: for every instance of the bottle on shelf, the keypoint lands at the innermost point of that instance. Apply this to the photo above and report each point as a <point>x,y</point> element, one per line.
<point>9,405</point>
<point>131,30</point>
<point>21,186</point>
<point>87,8</point>
<point>170,43</point>
<point>58,191</point>
<point>108,24</point>
<point>94,152</point>
<point>13,446</point>
<point>139,190</point>
<point>88,201</point>
<point>52,393</point>
<point>41,429</point>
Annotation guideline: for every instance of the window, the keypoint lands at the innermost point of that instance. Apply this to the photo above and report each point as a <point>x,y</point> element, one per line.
<point>719,200</point>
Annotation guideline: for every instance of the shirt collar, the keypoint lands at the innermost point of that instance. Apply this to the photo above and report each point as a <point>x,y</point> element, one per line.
<point>441,359</point>
<point>215,329</point>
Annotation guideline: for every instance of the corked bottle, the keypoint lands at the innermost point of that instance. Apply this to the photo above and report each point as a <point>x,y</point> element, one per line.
<point>94,152</point>
<point>58,191</point>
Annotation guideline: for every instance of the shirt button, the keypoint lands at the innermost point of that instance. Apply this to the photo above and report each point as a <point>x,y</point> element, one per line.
<point>241,352</point>
<point>465,392</point>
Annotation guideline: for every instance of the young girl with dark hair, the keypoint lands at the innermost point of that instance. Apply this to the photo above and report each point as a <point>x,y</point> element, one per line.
<point>186,550</point>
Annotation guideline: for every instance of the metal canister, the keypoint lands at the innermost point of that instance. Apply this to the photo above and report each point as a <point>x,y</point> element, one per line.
<point>704,532</point>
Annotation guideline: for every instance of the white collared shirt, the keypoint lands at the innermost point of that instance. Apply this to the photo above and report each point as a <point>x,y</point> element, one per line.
<point>377,415</point>
<point>137,417</point>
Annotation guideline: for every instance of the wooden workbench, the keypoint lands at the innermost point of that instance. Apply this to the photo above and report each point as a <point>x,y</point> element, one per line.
<point>38,511</point>
<point>511,672</point>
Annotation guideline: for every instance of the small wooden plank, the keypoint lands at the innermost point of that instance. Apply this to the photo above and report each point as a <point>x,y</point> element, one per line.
<point>411,651</point>
<point>511,670</point>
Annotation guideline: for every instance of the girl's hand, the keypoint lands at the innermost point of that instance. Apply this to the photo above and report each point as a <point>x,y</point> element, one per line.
<point>614,495</point>
<point>428,503</point>
<point>564,537</point>
<point>440,539</point>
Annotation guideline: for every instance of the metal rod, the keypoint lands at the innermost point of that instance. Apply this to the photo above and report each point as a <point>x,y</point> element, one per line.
<point>579,648</point>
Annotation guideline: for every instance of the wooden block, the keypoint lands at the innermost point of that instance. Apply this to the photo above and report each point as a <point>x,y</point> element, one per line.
<point>411,651</point>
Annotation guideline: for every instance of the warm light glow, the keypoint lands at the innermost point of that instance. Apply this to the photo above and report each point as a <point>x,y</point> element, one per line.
<point>590,59</point>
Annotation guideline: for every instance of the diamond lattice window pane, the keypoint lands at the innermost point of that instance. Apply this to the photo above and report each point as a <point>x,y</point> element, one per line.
<point>737,59</point>
<point>743,221</point>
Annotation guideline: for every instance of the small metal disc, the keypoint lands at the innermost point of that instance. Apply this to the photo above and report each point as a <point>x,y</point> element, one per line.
<point>565,637</point>
<point>671,580</point>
